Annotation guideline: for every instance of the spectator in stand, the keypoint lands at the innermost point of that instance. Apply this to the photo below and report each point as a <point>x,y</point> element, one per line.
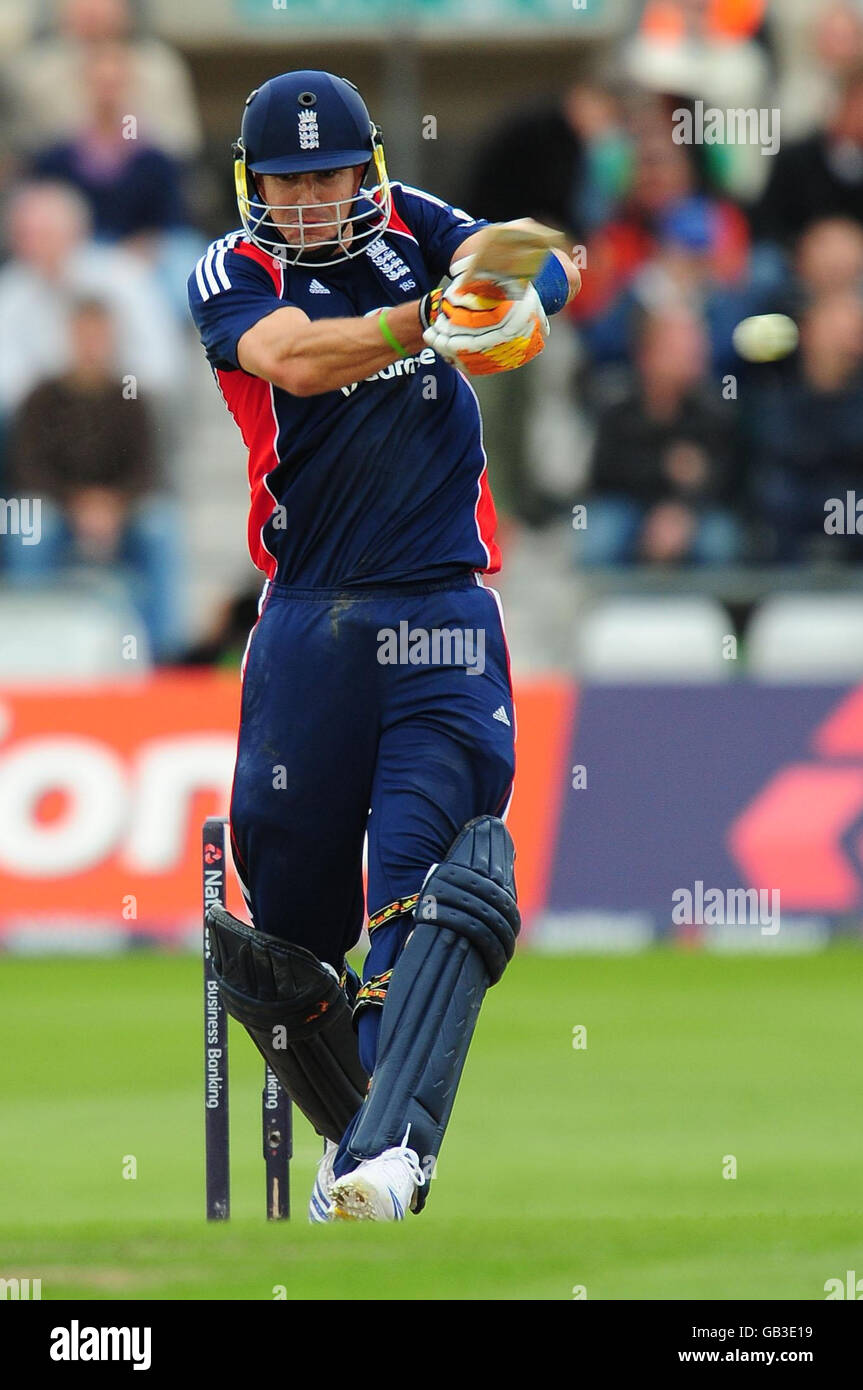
<point>228,636</point>
<point>714,51</point>
<point>809,82</point>
<point>85,448</point>
<point>670,242</point>
<point>133,189</point>
<point>701,47</point>
<point>51,260</point>
<point>820,176</point>
<point>563,162</point>
<point>664,459</point>
<point>830,257</point>
<point>46,78</point>
<point>804,432</point>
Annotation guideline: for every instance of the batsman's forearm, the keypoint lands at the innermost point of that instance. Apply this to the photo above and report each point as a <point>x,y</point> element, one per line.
<point>337,352</point>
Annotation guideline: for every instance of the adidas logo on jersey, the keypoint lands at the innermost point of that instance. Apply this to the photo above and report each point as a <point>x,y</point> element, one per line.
<point>501,716</point>
<point>317,288</point>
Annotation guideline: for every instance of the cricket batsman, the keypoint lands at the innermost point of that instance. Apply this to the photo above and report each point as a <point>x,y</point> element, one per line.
<point>342,322</point>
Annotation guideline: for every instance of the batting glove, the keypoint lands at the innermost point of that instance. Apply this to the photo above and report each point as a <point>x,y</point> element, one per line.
<point>485,325</point>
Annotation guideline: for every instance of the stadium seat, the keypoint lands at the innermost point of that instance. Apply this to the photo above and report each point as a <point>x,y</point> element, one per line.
<point>61,635</point>
<point>808,637</point>
<point>668,639</point>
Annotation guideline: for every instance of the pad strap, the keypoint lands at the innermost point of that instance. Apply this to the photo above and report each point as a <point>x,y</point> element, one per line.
<point>393,909</point>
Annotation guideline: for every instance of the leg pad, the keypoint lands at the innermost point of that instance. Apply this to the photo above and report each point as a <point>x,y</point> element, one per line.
<point>467,923</point>
<point>297,1014</point>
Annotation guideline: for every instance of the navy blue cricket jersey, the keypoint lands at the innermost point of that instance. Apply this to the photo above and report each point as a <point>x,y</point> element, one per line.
<point>383,480</point>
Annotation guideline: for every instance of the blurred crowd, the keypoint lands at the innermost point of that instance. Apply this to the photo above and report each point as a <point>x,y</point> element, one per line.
<point>94,342</point>
<point>684,453</point>
<point>697,456</point>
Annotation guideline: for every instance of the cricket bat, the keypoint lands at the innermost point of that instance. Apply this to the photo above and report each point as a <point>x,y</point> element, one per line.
<point>516,250</point>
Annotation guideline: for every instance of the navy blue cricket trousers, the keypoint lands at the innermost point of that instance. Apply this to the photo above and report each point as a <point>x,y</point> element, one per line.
<point>350,725</point>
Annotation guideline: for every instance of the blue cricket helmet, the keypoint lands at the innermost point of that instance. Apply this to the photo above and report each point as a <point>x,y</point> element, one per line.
<point>306,122</point>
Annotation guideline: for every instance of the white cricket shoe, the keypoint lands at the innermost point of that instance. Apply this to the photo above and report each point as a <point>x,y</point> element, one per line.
<point>320,1207</point>
<point>379,1189</point>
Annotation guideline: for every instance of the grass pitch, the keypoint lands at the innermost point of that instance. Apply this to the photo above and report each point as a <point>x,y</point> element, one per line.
<point>598,1168</point>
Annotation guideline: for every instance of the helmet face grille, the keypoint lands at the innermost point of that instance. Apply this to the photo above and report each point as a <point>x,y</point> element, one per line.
<point>351,226</point>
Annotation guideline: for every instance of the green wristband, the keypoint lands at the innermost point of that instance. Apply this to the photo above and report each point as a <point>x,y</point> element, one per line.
<point>388,335</point>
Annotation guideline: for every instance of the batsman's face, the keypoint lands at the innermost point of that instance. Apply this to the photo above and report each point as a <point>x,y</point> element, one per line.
<point>311,208</point>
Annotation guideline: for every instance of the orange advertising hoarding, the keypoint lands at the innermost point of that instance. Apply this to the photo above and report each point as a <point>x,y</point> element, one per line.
<point>103,791</point>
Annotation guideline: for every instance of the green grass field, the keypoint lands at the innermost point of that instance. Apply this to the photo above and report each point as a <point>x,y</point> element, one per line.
<point>599,1167</point>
